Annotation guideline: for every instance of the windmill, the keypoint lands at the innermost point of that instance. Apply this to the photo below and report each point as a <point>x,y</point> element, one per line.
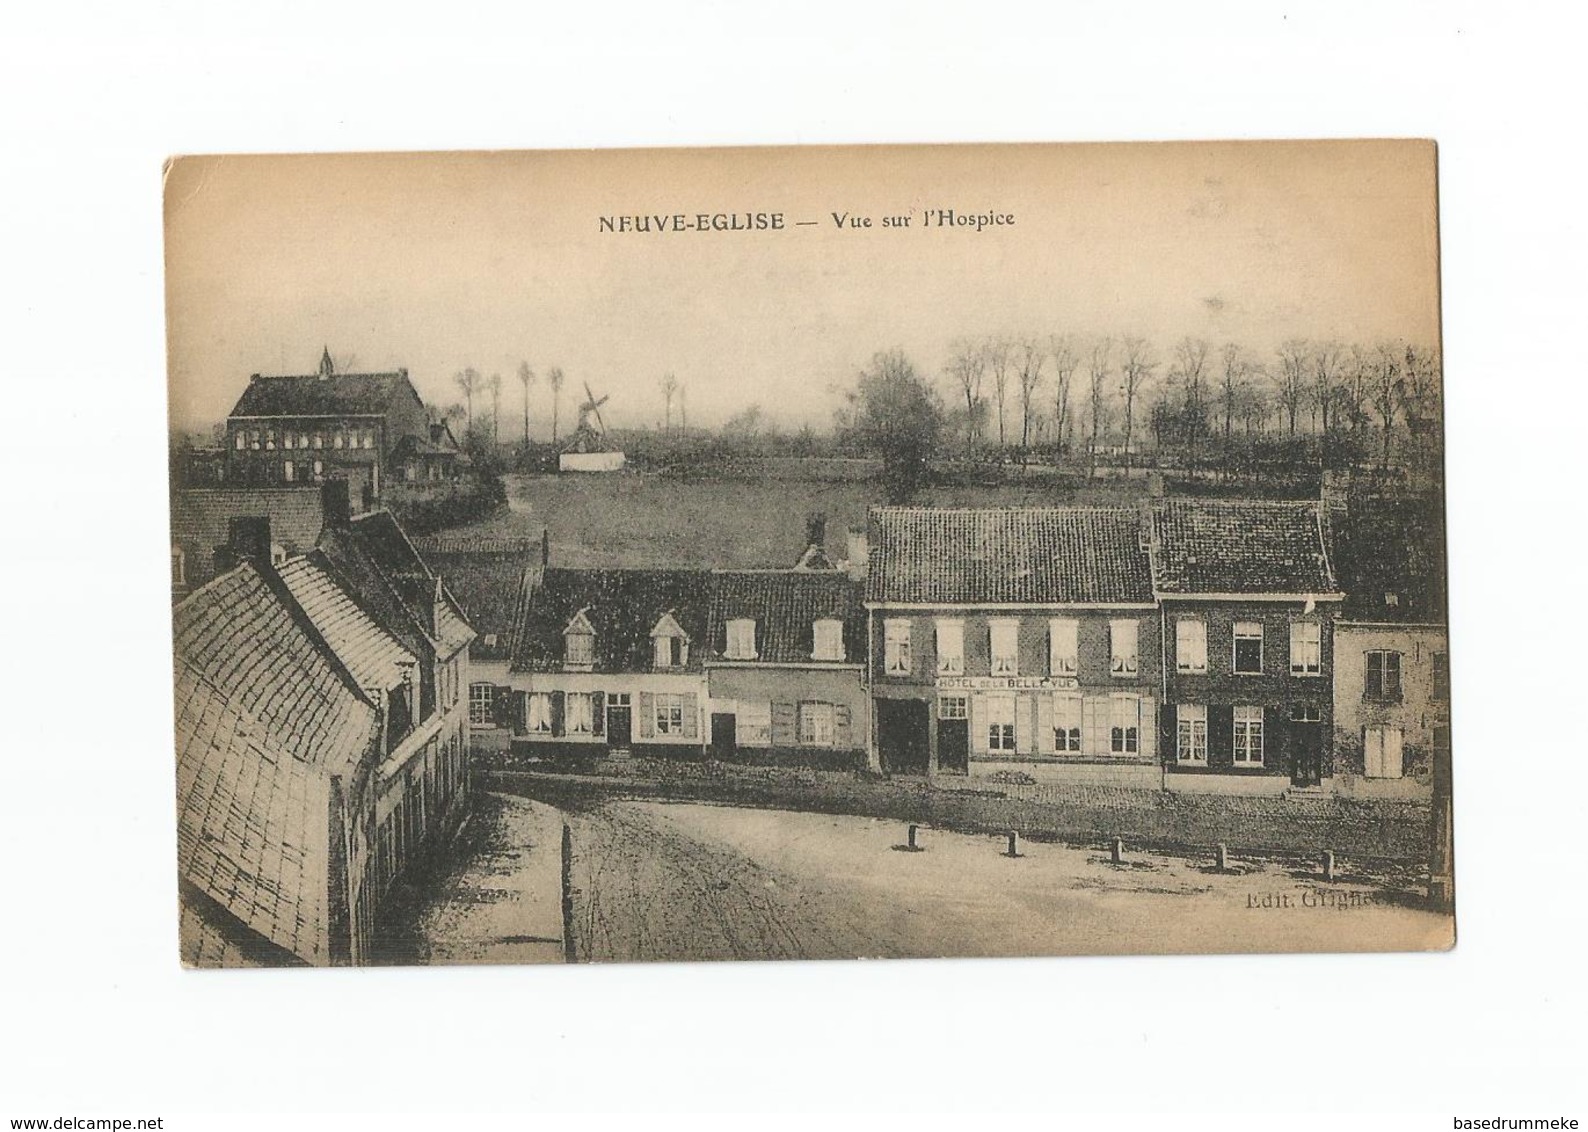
<point>587,449</point>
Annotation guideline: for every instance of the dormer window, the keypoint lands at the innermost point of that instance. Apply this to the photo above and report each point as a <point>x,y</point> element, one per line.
<point>741,639</point>
<point>828,639</point>
<point>669,643</point>
<point>578,640</point>
<point>178,566</point>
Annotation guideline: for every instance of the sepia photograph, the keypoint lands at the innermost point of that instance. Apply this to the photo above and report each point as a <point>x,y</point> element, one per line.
<point>808,553</point>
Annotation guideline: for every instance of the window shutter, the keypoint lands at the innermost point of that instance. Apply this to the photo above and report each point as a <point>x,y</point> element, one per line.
<point>557,726</point>
<point>1373,752</point>
<point>522,703</point>
<point>1394,763</point>
<point>502,706</point>
<point>647,715</point>
<point>1221,735</point>
<point>1025,712</point>
<point>785,731</point>
<point>1147,729</point>
<point>691,716</point>
<point>1044,744</point>
<point>598,713</point>
<point>978,723</point>
<point>842,735</point>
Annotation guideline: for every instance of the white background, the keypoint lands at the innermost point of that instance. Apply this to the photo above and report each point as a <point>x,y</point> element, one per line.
<point>95,1015</point>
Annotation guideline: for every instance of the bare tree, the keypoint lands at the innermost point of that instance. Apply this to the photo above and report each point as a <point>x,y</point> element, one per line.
<point>554,378</point>
<point>1291,380</point>
<point>1236,367</point>
<point>966,365</point>
<point>1097,397</point>
<point>1387,392</point>
<point>526,378</point>
<point>1065,361</point>
<point>495,386</point>
<point>998,359</point>
<point>1326,362</point>
<point>469,382</point>
<point>1031,356</point>
<point>1191,357</point>
<point>1134,371</point>
<point>669,387</point>
<point>683,408</point>
<point>1354,388</point>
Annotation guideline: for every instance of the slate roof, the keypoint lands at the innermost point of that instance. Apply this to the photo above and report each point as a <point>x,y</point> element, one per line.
<point>264,717</point>
<point>785,605</point>
<point>1015,555</point>
<point>311,395</point>
<point>622,606</point>
<point>374,657</point>
<point>488,586</point>
<point>1206,546</point>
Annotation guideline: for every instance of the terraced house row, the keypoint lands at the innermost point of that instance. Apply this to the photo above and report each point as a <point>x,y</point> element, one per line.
<point>1186,645</point>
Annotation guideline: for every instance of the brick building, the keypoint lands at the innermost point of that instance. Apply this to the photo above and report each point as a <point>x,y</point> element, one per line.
<point>1013,642</point>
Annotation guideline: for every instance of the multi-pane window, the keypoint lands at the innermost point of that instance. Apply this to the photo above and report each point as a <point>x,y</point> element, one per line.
<point>953,707</point>
<point>1247,658</point>
<point>669,714</point>
<point>178,567</point>
<point>317,440</point>
<point>578,709</point>
<point>238,440</point>
<point>1191,733</point>
<point>1383,677</point>
<point>289,471</point>
<point>481,697</point>
<point>753,724</point>
<point>579,648</point>
<point>816,724</point>
<point>1063,646</point>
<point>741,638</point>
<point>1248,736</point>
<point>1000,723</point>
<point>827,639</point>
<point>1306,648</point>
<point>1190,645</point>
<point>537,713</point>
<point>1125,732</point>
<point>339,439</point>
<point>1004,635</point>
<point>1067,724</point>
<point>896,660</point>
<point>319,469</point>
<point>1123,659</point>
<point>950,647</point>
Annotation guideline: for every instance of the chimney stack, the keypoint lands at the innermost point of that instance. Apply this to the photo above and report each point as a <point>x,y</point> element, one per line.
<point>815,529</point>
<point>336,504</point>
<point>859,553</point>
<point>248,540</point>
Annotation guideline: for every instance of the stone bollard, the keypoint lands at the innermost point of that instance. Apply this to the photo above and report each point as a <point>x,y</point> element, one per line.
<point>1014,844</point>
<point>1221,857</point>
<point>912,834</point>
<point>1328,864</point>
<point>1117,850</point>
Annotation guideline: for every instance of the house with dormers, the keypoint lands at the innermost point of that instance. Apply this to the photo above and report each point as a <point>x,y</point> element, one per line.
<point>1013,642</point>
<point>1248,602</point>
<point>611,660</point>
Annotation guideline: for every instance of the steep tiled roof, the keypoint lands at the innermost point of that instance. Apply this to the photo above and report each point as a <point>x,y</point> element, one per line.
<point>244,637</point>
<point>1007,555</point>
<point>264,717</point>
<point>1239,547</point>
<point>785,604</point>
<point>395,585</point>
<point>310,395</point>
<point>1386,547</point>
<point>374,657</point>
<point>622,606</point>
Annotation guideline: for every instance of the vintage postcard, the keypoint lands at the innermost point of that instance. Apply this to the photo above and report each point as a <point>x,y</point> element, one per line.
<point>808,553</point>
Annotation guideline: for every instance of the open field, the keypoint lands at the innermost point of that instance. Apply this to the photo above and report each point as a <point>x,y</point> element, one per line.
<point>663,521</point>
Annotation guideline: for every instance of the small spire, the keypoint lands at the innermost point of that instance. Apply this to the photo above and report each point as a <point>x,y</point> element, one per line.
<point>327,367</point>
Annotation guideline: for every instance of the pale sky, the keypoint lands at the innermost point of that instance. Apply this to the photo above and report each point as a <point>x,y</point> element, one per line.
<point>440,261</point>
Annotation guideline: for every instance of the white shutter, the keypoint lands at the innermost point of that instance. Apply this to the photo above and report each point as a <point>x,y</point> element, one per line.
<point>1394,766</point>
<point>978,723</point>
<point>1373,752</point>
<point>1044,708</point>
<point>1149,728</point>
<point>1025,711</point>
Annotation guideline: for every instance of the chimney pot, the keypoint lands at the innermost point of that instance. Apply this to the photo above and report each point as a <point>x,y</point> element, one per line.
<point>816,529</point>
